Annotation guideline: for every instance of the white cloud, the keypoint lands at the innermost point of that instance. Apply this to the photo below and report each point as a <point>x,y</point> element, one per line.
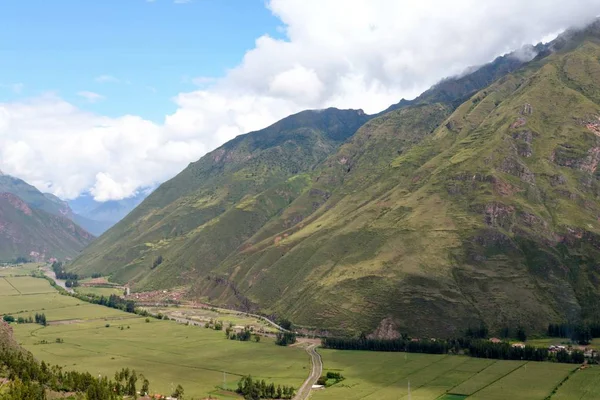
<point>107,79</point>
<point>90,96</point>
<point>360,54</point>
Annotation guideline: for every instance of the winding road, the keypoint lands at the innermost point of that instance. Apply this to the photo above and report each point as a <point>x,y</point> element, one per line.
<point>315,373</point>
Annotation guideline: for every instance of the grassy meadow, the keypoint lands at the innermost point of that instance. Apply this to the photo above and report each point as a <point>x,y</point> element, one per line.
<point>382,376</point>
<point>203,315</point>
<point>102,340</point>
<point>99,291</point>
<point>19,270</point>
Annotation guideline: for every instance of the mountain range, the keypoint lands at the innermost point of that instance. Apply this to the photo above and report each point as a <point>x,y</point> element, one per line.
<point>475,203</point>
<point>97,216</point>
<point>36,226</point>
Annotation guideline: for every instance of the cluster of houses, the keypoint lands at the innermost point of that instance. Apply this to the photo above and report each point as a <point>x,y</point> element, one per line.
<point>588,353</point>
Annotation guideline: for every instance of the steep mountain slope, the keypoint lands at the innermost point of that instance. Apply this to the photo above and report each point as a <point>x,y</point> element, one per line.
<point>49,203</point>
<point>33,197</point>
<point>264,168</point>
<point>493,218</point>
<point>429,219</point>
<point>29,232</point>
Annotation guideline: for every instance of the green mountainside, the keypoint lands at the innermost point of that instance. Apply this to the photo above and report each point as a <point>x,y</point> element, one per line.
<point>435,216</point>
<point>33,233</point>
<point>33,197</point>
<point>49,203</point>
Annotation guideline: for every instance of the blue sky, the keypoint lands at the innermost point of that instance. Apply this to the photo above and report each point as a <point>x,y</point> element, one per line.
<point>98,96</point>
<point>154,49</point>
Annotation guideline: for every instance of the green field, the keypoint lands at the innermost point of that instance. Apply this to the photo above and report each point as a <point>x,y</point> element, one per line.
<point>203,315</point>
<point>102,340</point>
<point>167,353</point>
<point>582,385</point>
<point>99,291</point>
<point>30,285</point>
<point>372,375</point>
<point>6,289</point>
<point>19,270</point>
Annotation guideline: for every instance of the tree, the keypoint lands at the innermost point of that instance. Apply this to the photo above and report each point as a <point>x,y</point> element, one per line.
<point>157,261</point>
<point>521,334</point>
<point>285,338</point>
<point>178,393</point>
<point>8,318</point>
<point>145,387</point>
<point>285,324</point>
<point>131,390</point>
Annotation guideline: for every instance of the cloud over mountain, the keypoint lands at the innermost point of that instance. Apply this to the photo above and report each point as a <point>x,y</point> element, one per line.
<point>364,54</point>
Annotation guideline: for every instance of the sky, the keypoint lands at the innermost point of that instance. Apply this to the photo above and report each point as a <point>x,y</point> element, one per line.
<point>111,96</point>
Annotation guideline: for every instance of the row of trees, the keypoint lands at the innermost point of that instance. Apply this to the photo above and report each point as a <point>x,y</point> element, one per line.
<point>112,301</point>
<point>482,332</point>
<point>285,338</point>
<point>580,333</point>
<point>243,336</point>
<point>39,319</point>
<point>504,351</point>
<point>256,390</point>
<point>401,344</point>
<point>475,347</point>
<point>57,267</point>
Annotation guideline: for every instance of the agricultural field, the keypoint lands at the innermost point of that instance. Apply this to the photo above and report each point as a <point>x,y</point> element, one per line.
<point>205,314</point>
<point>19,270</point>
<point>372,375</point>
<point>582,385</point>
<point>29,285</point>
<point>99,291</point>
<point>102,340</point>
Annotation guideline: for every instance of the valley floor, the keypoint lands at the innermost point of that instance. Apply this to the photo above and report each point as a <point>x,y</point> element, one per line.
<point>102,340</point>
<point>382,376</point>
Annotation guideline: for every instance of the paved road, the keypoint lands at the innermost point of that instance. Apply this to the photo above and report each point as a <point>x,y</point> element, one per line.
<point>315,373</point>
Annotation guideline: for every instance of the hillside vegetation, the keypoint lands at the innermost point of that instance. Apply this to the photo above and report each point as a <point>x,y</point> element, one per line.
<point>25,231</point>
<point>440,214</point>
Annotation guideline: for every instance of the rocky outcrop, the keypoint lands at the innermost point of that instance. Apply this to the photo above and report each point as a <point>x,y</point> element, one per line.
<point>523,141</point>
<point>514,167</point>
<point>387,329</point>
<point>499,215</point>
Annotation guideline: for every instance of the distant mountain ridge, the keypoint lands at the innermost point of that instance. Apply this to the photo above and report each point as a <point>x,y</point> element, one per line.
<point>109,212</point>
<point>31,233</point>
<point>477,203</point>
<point>95,217</point>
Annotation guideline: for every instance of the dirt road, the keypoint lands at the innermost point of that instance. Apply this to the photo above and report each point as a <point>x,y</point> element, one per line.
<point>50,274</point>
<point>317,370</point>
